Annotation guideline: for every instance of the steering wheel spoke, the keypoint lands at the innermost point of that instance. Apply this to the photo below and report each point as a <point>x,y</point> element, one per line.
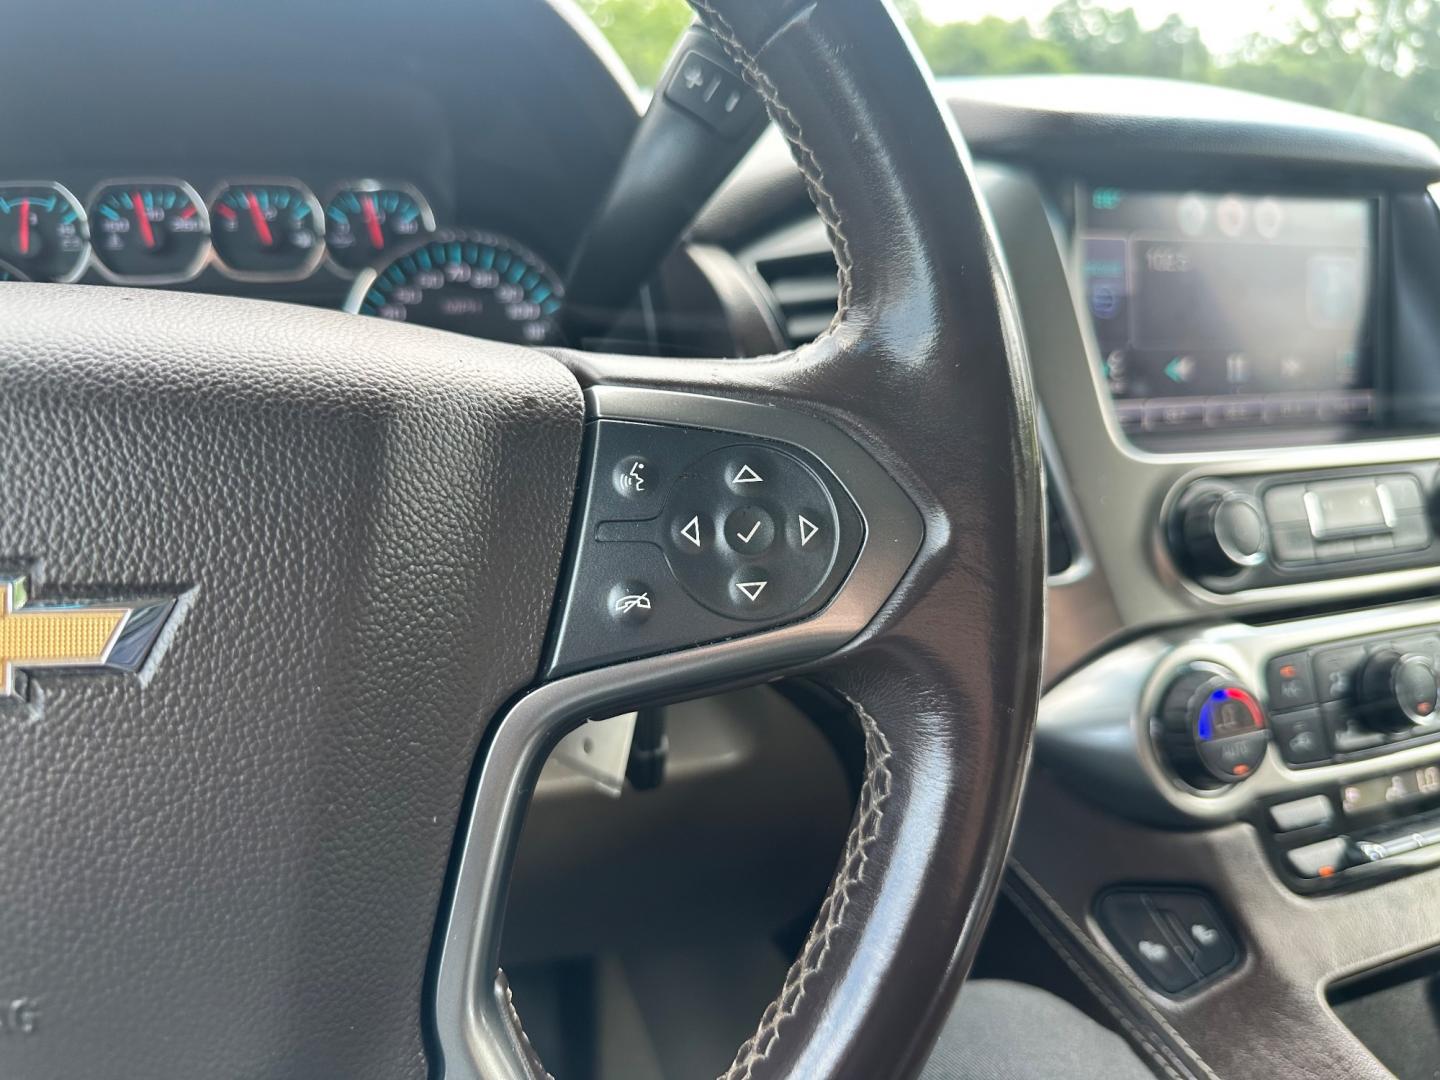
<point>715,544</point>
<point>912,418</point>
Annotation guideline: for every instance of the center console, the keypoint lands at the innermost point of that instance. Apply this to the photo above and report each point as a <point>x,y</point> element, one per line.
<point>1322,733</point>
<point>1236,804</point>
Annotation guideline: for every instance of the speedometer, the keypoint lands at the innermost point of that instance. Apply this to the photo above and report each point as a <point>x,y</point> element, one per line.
<point>476,283</point>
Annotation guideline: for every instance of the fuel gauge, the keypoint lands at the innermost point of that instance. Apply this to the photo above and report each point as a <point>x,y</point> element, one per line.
<point>149,232</point>
<point>366,220</point>
<point>267,230</point>
<point>42,231</point>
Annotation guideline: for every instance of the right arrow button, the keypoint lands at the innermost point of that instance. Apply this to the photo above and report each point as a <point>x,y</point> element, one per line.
<point>808,529</point>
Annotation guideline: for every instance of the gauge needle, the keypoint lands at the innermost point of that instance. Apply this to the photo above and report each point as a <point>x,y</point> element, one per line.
<point>147,234</point>
<point>262,227</point>
<point>372,223</point>
<point>24,226</point>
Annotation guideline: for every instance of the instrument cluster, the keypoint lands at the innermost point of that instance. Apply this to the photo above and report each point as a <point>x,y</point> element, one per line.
<point>381,234</point>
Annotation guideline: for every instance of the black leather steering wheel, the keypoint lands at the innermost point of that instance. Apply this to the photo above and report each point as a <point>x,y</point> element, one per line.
<point>234,859</point>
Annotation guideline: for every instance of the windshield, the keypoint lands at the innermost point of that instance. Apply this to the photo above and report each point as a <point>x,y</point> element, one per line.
<point>1374,58</point>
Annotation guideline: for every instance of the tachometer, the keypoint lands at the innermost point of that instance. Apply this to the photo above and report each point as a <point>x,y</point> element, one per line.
<point>267,231</point>
<point>42,232</point>
<point>366,221</point>
<point>471,282</point>
<point>149,232</point>
<point>9,273</point>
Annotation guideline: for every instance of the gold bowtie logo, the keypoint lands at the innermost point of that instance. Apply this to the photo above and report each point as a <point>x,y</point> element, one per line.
<point>104,635</point>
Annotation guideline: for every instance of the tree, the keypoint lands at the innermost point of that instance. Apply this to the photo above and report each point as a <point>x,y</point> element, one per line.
<point>642,31</point>
<point>1376,58</point>
<point>1100,39</point>
<point>994,46</point>
<point>1379,58</point>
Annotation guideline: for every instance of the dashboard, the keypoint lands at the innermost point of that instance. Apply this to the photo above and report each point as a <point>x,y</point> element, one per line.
<point>1230,308</point>
<point>297,155</point>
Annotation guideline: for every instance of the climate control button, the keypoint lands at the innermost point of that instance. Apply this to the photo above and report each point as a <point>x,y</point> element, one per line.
<point>1212,730</point>
<point>1398,691</point>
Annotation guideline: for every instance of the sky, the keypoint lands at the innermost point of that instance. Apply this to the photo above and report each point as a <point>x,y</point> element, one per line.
<point>1223,24</point>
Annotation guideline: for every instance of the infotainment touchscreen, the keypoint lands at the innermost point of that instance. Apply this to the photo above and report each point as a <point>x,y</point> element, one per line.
<point>1225,311</point>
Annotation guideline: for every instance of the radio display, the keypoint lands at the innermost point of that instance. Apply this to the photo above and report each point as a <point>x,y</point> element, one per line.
<point>1226,311</point>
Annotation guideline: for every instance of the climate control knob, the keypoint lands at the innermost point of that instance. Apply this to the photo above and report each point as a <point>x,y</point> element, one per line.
<point>1211,730</point>
<point>1222,532</point>
<point>1398,691</point>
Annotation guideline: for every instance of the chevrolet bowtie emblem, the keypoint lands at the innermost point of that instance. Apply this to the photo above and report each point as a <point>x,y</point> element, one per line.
<point>91,635</point>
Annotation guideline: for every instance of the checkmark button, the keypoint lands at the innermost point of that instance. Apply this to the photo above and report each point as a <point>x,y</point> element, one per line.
<point>749,530</point>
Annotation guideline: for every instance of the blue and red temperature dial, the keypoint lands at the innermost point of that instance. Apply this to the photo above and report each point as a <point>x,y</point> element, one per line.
<point>1212,730</point>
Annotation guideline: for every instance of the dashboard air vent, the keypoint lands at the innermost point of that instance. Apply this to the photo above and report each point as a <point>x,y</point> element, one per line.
<point>806,292</point>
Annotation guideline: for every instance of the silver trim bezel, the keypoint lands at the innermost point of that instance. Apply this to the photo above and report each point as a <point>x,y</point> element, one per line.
<point>1193,465</point>
<point>427,215</point>
<point>1122,491</point>
<point>83,262</point>
<point>312,260</point>
<point>193,269</point>
<point>1418,450</point>
<point>361,285</point>
<point>1096,723</point>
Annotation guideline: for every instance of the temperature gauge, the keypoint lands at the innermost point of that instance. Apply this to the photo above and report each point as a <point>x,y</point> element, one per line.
<point>149,232</point>
<point>366,220</point>
<point>267,230</point>
<point>42,232</point>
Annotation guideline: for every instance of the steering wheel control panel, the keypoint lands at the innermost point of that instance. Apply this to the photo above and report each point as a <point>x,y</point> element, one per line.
<point>689,535</point>
<point>1256,531</point>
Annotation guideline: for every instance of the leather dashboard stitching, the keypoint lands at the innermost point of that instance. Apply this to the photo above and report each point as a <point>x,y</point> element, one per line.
<point>1110,966</point>
<point>870,810</point>
<point>790,128</point>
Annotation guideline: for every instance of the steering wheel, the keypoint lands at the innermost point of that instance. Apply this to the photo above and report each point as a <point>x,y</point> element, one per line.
<point>273,679</point>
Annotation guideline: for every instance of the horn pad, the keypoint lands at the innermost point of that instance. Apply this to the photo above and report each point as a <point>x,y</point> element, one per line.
<point>229,864</point>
